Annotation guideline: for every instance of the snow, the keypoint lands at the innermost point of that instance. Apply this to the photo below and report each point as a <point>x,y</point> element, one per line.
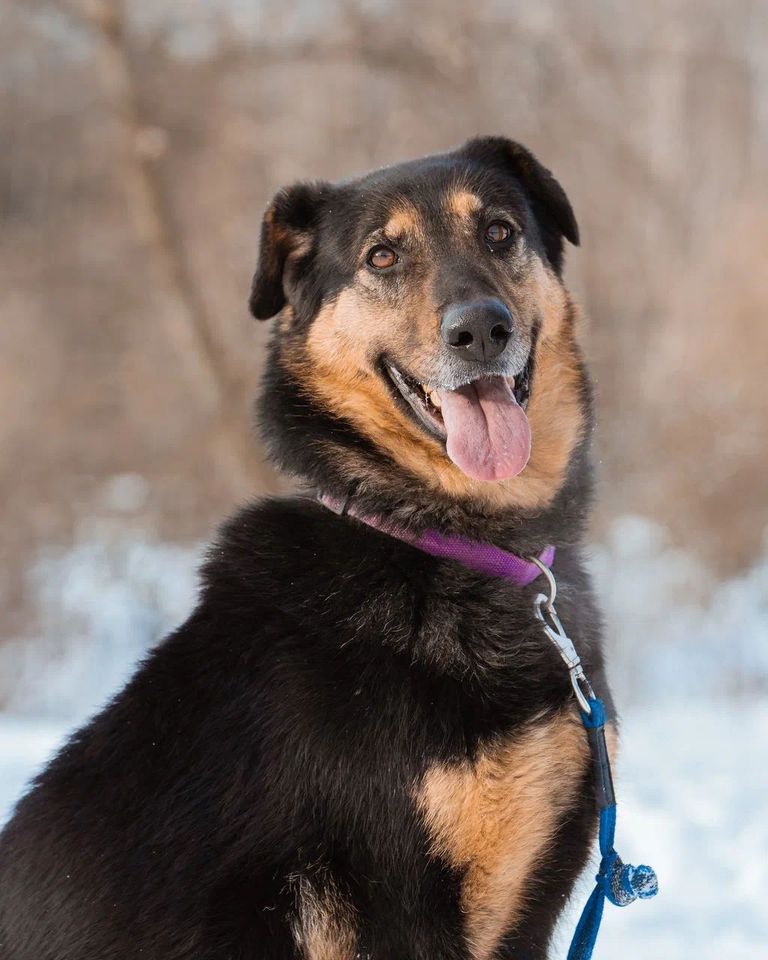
<point>689,664</point>
<point>674,628</point>
<point>101,604</point>
<point>25,745</point>
<point>691,789</point>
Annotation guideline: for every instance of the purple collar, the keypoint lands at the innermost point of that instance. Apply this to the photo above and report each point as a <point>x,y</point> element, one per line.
<point>481,557</point>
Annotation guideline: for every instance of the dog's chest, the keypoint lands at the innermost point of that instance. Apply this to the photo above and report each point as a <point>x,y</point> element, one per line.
<point>494,818</point>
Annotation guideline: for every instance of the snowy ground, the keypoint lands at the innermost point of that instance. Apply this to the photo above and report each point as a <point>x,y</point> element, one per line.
<point>692,784</point>
<point>692,787</point>
<point>25,745</point>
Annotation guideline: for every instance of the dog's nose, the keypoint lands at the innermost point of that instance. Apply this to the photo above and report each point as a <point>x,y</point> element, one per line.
<point>477,331</point>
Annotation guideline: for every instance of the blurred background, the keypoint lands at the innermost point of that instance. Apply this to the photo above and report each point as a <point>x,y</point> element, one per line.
<point>141,142</point>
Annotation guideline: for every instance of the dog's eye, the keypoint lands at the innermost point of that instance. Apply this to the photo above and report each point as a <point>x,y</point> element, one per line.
<point>382,258</point>
<point>498,233</point>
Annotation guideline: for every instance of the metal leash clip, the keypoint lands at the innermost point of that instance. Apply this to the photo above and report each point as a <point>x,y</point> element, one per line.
<point>544,608</point>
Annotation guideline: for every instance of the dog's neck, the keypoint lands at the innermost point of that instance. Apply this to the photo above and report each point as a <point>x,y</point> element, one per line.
<point>411,506</point>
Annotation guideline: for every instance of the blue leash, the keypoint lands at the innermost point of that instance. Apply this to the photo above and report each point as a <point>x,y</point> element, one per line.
<point>616,881</point>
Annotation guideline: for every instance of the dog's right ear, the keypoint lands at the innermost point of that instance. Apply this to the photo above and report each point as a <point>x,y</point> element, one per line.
<point>287,232</point>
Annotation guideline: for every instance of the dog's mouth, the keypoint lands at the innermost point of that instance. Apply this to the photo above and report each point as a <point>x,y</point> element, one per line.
<point>483,422</point>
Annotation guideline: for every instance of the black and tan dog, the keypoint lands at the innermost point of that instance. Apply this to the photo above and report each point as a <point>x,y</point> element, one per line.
<point>353,749</point>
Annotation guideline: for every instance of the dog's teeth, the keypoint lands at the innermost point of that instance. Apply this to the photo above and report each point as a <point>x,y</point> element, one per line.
<point>435,398</point>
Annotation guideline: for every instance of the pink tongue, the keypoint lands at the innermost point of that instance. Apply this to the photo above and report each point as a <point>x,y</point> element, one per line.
<point>489,437</point>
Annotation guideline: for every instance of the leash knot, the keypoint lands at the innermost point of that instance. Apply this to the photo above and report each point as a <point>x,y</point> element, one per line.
<point>623,883</point>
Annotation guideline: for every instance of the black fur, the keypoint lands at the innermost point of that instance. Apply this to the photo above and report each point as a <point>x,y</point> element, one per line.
<point>279,732</point>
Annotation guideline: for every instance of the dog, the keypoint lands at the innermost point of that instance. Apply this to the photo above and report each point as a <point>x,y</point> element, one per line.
<point>354,748</point>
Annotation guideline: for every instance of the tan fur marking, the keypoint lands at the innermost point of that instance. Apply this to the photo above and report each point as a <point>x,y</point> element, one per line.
<point>323,928</point>
<point>494,818</point>
<point>462,203</point>
<point>285,319</point>
<point>543,293</point>
<point>404,219</point>
<point>338,373</point>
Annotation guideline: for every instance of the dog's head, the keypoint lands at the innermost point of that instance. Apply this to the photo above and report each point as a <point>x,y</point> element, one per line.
<point>424,332</point>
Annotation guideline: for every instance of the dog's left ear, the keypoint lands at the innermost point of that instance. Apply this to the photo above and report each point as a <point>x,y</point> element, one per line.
<point>550,205</point>
<point>287,232</point>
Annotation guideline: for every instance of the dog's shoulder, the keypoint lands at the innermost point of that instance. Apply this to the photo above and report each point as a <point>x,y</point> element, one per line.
<point>296,557</point>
